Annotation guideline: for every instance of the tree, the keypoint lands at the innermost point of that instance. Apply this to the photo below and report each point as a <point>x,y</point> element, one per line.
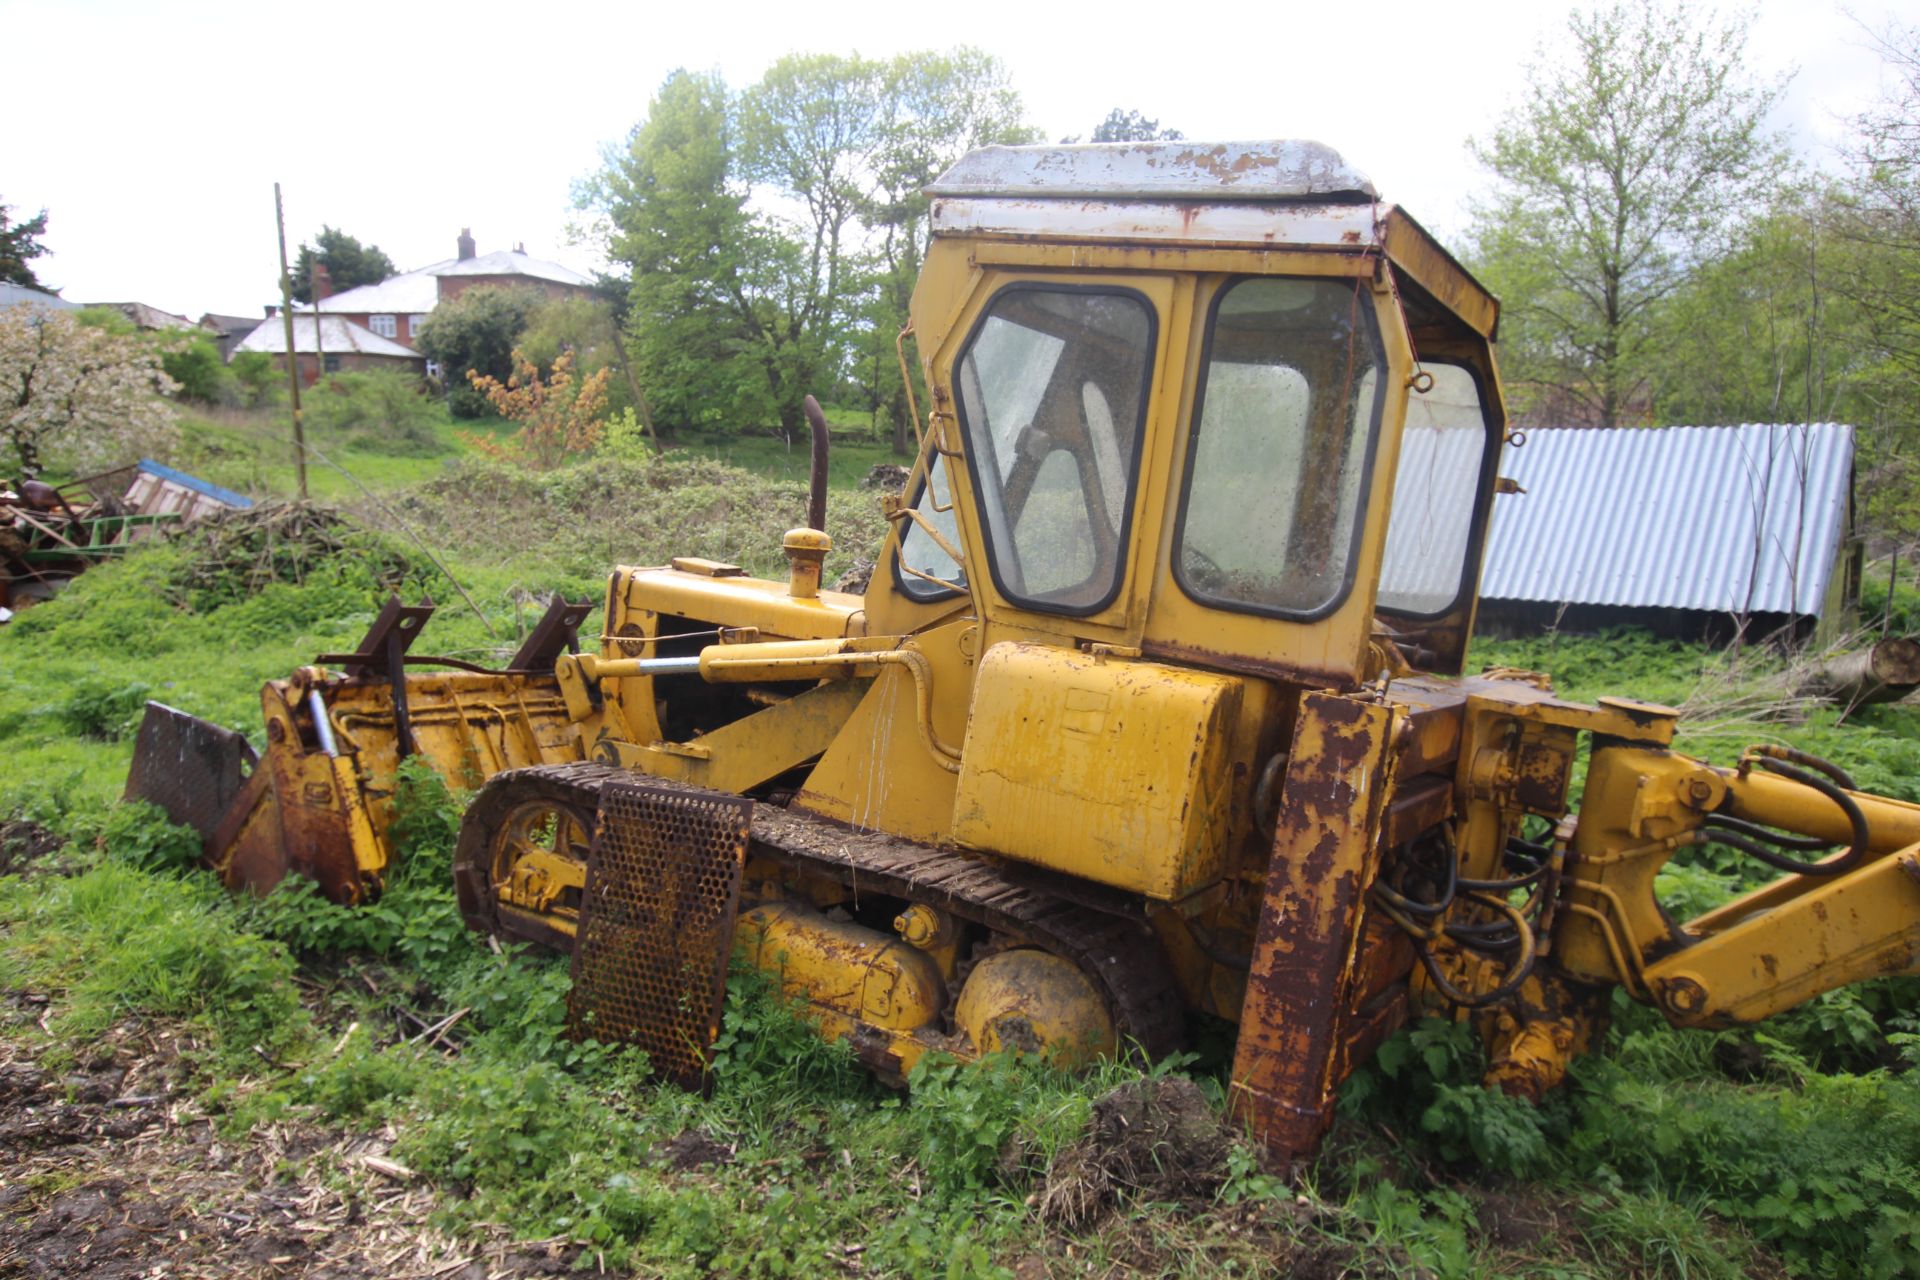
<point>77,394</point>
<point>476,333</point>
<point>1621,172</point>
<point>674,213</point>
<point>1130,126</point>
<point>349,264</point>
<point>19,245</point>
<point>1879,218</point>
<point>738,312</point>
<point>940,106</point>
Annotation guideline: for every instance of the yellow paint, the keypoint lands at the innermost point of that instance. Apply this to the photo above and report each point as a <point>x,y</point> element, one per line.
<point>846,967</point>
<point>1102,768</point>
<point>1034,1002</point>
<point>753,749</point>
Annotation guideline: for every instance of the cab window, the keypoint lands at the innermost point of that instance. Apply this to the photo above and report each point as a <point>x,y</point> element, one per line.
<point>1443,458</point>
<point>921,557</point>
<point>1052,394</point>
<point>1284,423</point>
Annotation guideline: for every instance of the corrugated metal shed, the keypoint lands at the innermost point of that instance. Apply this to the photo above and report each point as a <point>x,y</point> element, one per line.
<point>1746,519</point>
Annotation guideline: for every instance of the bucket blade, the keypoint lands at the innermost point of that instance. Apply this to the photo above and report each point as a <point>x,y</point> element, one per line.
<point>188,767</point>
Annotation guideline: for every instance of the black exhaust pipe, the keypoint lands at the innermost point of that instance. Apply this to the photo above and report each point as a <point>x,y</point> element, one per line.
<point>817,482</point>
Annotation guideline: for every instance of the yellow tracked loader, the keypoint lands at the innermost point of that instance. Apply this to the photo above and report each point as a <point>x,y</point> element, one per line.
<point>1154,705</point>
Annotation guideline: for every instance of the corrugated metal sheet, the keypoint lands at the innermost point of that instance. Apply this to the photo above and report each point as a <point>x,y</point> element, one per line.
<point>20,295</point>
<point>1745,519</point>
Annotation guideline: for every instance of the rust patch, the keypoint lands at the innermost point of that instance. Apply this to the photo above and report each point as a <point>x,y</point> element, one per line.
<point>1301,985</point>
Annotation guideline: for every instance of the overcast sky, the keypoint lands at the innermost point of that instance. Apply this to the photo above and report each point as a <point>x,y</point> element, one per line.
<point>153,133</point>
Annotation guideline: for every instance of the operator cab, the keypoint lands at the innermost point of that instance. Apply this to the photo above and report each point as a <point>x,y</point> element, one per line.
<point>1178,389</point>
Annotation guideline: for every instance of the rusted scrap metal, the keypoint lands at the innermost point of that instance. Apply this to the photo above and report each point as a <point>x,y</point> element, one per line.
<point>188,767</point>
<point>50,535</point>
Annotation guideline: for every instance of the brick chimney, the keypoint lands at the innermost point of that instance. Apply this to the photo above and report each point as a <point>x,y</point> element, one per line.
<point>466,243</point>
<point>322,282</point>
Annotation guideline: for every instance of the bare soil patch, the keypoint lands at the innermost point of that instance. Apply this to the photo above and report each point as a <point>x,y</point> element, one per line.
<point>109,1171</point>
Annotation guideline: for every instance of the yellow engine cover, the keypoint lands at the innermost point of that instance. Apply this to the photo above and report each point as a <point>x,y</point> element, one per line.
<point>1106,768</point>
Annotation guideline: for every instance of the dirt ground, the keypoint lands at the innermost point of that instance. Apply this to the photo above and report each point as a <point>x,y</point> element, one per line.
<point>106,1174</point>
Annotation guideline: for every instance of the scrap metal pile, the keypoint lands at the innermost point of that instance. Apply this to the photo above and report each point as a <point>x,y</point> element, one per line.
<point>50,535</point>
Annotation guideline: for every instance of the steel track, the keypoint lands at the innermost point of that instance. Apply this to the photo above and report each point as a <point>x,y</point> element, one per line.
<point>1119,952</point>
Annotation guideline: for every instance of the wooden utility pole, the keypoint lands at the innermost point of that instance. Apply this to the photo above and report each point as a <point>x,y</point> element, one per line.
<point>293,358</point>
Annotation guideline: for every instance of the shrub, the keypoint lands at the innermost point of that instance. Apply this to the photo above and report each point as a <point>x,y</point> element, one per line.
<point>376,411</point>
<point>203,377</point>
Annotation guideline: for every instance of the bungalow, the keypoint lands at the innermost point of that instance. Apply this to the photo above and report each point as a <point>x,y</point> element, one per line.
<point>330,344</point>
<point>378,320</point>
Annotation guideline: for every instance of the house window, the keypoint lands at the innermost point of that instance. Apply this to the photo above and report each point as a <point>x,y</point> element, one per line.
<point>332,363</point>
<point>415,324</point>
<point>385,326</point>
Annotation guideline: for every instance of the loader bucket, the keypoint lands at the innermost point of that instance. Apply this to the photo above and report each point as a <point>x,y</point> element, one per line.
<point>188,767</point>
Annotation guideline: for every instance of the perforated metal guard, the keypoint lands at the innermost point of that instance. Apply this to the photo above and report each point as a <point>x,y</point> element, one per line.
<point>656,924</point>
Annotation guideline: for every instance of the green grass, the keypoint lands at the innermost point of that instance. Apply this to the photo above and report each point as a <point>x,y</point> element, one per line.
<point>848,460</point>
<point>1656,1160</point>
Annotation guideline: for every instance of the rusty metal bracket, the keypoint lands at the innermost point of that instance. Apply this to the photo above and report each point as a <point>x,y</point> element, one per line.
<point>557,632</point>
<point>383,651</point>
<point>656,924</point>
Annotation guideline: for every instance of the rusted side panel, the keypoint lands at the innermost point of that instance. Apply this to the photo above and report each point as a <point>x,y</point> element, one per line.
<point>1301,983</point>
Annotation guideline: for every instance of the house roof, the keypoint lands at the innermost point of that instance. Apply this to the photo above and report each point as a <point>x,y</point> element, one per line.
<point>418,292</point>
<point>411,293</point>
<point>508,262</point>
<point>337,335</point>
<point>146,316</point>
<point>1745,519</point>
<point>229,324</point>
<point>20,295</point>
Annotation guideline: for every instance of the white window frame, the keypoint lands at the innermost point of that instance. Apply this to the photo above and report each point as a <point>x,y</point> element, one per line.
<point>385,326</point>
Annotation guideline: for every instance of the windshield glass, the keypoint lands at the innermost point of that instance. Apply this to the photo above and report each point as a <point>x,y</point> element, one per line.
<point>1443,453</point>
<point>1052,395</point>
<point>1288,401</point>
<point>921,555</point>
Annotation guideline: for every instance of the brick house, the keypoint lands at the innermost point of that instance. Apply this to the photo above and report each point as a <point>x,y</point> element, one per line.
<point>378,318</point>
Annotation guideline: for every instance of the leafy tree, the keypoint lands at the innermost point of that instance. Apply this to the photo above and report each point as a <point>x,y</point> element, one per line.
<point>674,212</point>
<point>1130,126</point>
<point>77,394</point>
<point>194,364</point>
<point>1622,171</point>
<point>940,106</point>
<point>1879,218</point>
<point>736,315</point>
<point>349,264</point>
<point>476,333</point>
<point>19,245</point>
